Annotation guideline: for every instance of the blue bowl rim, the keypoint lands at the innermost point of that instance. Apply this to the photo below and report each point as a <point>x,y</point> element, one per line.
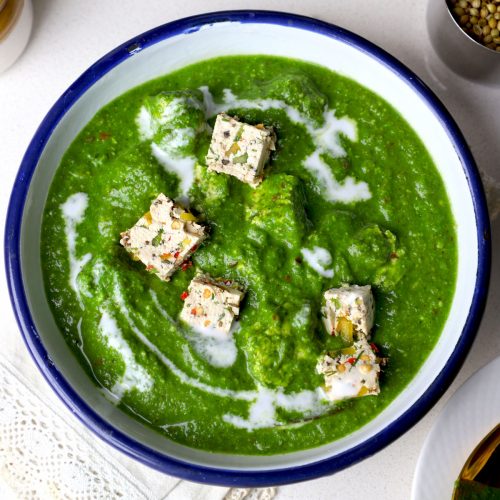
<point>153,458</point>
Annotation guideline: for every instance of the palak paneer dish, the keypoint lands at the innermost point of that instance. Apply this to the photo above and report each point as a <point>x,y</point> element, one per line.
<point>250,255</point>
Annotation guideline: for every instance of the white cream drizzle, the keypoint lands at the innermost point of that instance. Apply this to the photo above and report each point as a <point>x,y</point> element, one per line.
<point>384,212</point>
<point>168,153</point>
<point>420,189</point>
<point>229,101</point>
<point>302,316</point>
<point>73,211</point>
<point>105,228</point>
<point>134,376</point>
<point>217,348</point>
<point>185,425</point>
<point>179,138</point>
<point>144,123</point>
<point>182,166</point>
<point>262,412</point>
<point>347,192</point>
<point>97,271</point>
<point>148,126</point>
<point>327,136</point>
<point>326,140</point>
<point>183,377</point>
<point>319,259</point>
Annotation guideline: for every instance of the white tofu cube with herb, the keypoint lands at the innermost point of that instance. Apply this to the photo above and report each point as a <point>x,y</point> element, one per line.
<point>164,238</point>
<point>211,304</point>
<point>349,311</point>
<point>352,372</point>
<point>240,149</point>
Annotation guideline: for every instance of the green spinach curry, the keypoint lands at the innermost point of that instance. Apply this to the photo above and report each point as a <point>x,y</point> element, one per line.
<point>349,196</point>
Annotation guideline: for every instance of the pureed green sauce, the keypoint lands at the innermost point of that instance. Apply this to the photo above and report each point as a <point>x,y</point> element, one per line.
<point>392,229</point>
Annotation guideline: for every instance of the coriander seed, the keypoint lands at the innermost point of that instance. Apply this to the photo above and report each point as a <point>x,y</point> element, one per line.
<point>480,19</point>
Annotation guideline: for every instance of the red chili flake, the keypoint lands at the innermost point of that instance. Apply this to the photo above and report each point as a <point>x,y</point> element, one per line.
<point>148,268</point>
<point>374,347</point>
<point>351,360</point>
<point>176,254</point>
<point>194,249</point>
<point>193,311</point>
<point>184,295</point>
<point>104,135</point>
<point>186,265</point>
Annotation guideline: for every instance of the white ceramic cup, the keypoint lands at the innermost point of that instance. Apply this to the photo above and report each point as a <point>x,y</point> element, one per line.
<point>16,20</point>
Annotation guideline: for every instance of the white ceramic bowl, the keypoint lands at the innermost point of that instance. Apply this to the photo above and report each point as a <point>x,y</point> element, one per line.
<point>469,415</point>
<point>173,46</point>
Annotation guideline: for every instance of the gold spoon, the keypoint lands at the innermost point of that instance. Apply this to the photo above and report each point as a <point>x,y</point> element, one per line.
<point>477,461</point>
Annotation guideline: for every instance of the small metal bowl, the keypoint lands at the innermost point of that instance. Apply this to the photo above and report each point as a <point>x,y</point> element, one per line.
<point>457,49</point>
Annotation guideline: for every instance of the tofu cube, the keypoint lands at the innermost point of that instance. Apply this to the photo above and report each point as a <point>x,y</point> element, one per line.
<point>240,149</point>
<point>350,373</point>
<point>211,305</point>
<point>349,311</point>
<point>163,238</point>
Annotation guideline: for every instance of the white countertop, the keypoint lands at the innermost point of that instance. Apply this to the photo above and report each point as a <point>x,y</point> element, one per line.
<point>70,35</point>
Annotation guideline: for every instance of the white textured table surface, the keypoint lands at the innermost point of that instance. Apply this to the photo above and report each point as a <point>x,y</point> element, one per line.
<point>70,35</point>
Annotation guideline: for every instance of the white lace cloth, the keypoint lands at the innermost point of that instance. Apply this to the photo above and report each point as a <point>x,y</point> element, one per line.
<point>44,455</point>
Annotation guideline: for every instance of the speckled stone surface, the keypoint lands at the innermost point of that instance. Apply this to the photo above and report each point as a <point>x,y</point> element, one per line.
<point>69,35</point>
